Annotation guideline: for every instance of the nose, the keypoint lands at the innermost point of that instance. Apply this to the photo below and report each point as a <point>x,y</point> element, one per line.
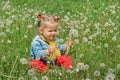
<point>53,32</point>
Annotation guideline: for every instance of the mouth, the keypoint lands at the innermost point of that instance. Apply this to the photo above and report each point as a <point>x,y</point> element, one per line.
<point>52,37</point>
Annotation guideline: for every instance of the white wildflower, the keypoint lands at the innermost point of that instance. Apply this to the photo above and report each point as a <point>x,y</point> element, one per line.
<point>34,78</point>
<point>23,60</point>
<point>44,78</point>
<point>73,32</point>
<point>110,76</point>
<point>80,66</point>
<point>21,78</point>
<point>85,39</point>
<point>86,67</point>
<point>118,66</point>
<point>61,40</point>
<point>102,65</point>
<point>114,38</point>
<point>3,58</point>
<point>29,26</point>
<point>31,72</point>
<point>106,45</point>
<point>9,41</point>
<point>37,57</point>
<point>25,36</point>
<point>76,41</point>
<point>111,31</point>
<point>97,73</point>
<point>81,56</point>
<point>118,46</point>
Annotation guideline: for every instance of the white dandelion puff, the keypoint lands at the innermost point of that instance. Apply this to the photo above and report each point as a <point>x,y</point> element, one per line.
<point>37,57</point>
<point>80,66</point>
<point>111,31</point>
<point>29,26</point>
<point>9,41</point>
<point>25,36</point>
<point>31,72</point>
<point>23,60</point>
<point>106,45</point>
<point>73,32</point>
<point>118,46</point>
<point>44,78</point>
<point>96,73</point>
<point>85,39</point>
<point>114,38</point>
<point>76,41</point>
<point>86,67</point>
<point>110,76</point>
<point>3,58</point>
<point>81,55</point>
<point>102,65</point>
<point>34,78</point>
<point>118,66</point>
<point>21,78</point>
<point>61,40</point>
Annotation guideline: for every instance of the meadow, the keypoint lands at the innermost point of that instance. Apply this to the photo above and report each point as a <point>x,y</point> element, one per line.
<point>93,25</point>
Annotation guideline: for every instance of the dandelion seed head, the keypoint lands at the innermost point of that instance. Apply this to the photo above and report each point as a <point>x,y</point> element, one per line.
<point>23,60</point>
<point>31,72</point>
<point>29,26</point>
<point>96,73</point>
<point>110,76</point>
<point>9,41</point>
<point>118,66</point>
<point>114,38</point>
<point>73,32</point>
<point>102,65</point>
<point>37,57</point>
<point>106,45</point>
<point>111,31</point>
<point>25,36</point>
<point>76,41</point>
<point>3,58</point>
<point>34,78</point>
<point>81,55</point>
<point>21,78</point>
<point>44,78</point>
<point>80,66</point>
<point>86,67</point>
<point>85,39</point>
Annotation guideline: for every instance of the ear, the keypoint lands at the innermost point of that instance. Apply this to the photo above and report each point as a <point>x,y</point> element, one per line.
<point>40,31</point>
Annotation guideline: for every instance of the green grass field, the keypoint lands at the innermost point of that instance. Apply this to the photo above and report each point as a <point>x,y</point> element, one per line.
<point>93,24</point>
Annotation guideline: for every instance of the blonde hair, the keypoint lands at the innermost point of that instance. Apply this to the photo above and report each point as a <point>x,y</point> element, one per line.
<point>47,19</point>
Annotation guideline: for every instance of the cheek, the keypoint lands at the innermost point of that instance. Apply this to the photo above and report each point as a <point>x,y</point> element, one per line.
<point>56,33</point>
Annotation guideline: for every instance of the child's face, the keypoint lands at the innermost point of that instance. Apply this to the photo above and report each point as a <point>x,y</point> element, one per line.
<point>50,32</point>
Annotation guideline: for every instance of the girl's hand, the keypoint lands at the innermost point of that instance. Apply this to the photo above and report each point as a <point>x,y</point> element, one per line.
<point>69,42</point>
<point>51,49</point>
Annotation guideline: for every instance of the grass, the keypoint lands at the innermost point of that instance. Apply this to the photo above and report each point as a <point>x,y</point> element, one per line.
<point>96,43</point>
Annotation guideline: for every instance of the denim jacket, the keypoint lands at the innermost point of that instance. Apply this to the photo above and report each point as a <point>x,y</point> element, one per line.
<point>40,47</point>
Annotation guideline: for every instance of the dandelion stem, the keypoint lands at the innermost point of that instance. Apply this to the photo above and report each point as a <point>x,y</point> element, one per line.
<point>7,76</point>
<point>13,67</point>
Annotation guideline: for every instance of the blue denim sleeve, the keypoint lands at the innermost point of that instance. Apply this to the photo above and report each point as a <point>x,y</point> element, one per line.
<point>38,51</point>
<point>60,46</point>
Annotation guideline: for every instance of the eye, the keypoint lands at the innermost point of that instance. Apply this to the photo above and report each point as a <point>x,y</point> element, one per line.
<point>50,31</point>
<point>55,30</point>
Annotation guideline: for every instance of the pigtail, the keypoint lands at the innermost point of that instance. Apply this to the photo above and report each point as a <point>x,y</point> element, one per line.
<point>40,17</point>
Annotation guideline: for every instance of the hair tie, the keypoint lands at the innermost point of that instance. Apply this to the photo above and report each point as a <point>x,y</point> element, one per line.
<point>40,16</point>
<point>56,18</point>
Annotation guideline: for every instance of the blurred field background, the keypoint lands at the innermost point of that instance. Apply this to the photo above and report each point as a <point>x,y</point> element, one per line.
<point>93,24</point>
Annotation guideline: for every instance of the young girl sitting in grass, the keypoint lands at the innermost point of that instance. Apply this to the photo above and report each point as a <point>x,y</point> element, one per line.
<point>46,48</point>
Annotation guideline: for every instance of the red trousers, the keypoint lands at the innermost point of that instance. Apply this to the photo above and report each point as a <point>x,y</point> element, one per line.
<point>64,60</point>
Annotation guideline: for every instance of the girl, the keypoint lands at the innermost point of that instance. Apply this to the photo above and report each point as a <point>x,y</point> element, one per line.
<point>46,48</point>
